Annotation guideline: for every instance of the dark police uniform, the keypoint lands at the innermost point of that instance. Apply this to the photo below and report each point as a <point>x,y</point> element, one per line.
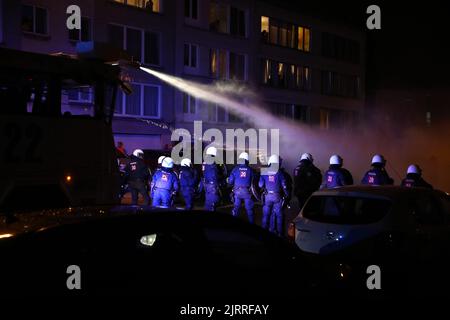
<point>307,179</point>
<point>188,183</point>
<point>164,185</point>
<point>241,178</point>
<point>275,189</point>
<point>414,180</point>
<point>211,183</point>
<point>377,176</point>
<point>137,177</point>
<point>336,176</point>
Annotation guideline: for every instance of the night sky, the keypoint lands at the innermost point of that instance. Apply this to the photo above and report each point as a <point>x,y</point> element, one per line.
<point>411,50</point>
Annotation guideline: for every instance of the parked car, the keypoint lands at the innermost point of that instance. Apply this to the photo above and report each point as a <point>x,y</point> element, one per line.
<point>139,250</point>
<point>406,230</point>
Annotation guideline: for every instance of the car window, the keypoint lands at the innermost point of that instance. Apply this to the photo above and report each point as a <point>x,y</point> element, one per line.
<point>427,210</point>
<point>345,209</point>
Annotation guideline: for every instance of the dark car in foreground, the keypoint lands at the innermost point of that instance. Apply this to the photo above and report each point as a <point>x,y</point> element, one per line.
<point>129,250</point>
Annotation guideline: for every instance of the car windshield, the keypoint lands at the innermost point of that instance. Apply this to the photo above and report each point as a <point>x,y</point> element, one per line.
<point>346,210</point>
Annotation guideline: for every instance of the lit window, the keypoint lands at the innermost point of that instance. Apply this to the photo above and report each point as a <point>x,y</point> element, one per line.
<point>265,24</point>
<point>281,75</point>
<point>300,38</point>
<point>307,40</point>
<point>150,5</point>
<point>304,39</point>
<point>267,78</point>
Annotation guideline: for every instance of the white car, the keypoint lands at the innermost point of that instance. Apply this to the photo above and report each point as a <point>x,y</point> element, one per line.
<point>343,218</point>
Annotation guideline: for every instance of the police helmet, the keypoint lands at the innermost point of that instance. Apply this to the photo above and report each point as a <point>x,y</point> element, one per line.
<point>186,162</point>
<point>335,159</point>
<point>414,168</point>
<point>138,153</point>
<point>167,163</point>
<point>244,155</point>
<point>378,158</point>
<point>273,159</point>
<point>211,151</point>
<point>307,156</point>
<point>160,159</point>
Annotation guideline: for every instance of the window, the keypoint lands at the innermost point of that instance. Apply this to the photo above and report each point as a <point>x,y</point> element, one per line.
<point>80,95</point>
<point>340,48</point>
<point>143,102</point>
<point>237,22</point>
<point>285,34</point>
<point>265,29</point>
<point>221,114</point>
<point>189,104</point>
<point>218,17</point>
<point>190,55</point>
<point>151,46</point>
<point>285,75</point>
<point>1,21</point>
<point>281,75</point>
<point>336,84</point>
<point>324,119</point>
<point>191,9</point>
<point>237,66</point>
<point>34,20</point>
<point>84,34</point>
<point>143,46</point>
<point>150,5</point>
<point>227,65</point>
<point>212,112</point>
<point>267,72</point>
<point>304,39</point>
<point>346,210</point>
<point>290,111</point>
<point>133,43</point>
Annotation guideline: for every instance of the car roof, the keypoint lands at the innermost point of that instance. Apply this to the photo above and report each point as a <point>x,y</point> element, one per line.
<point>21,223</point>
<point>390,192</point>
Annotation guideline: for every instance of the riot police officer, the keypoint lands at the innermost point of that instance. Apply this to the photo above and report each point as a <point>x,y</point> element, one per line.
<point>336,175</point>
<point>307,179</point>
<point>414,178</point>
<point>377,175</point>
<point>164,184</point>
<point>212,180</point>
<point>188,182</point>
<point>137,176</point>
<point>275,189</point>
<point>241,179</point>
<point>289,182</point>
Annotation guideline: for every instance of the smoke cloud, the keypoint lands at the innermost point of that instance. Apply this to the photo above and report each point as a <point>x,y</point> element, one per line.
<point>401,146</point>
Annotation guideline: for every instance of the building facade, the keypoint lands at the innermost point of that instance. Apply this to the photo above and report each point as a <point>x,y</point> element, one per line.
<point>300,68</point>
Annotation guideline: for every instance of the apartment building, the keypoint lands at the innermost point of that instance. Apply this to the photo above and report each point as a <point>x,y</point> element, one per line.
<point>299,67</point>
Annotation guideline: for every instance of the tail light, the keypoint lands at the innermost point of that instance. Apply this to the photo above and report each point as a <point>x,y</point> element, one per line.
<point>291,232</point>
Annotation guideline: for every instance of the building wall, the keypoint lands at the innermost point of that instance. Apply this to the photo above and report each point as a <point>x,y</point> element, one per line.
<point>175,30</point>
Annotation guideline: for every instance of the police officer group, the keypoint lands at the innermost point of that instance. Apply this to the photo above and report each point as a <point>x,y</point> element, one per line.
<point>275,183</point>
